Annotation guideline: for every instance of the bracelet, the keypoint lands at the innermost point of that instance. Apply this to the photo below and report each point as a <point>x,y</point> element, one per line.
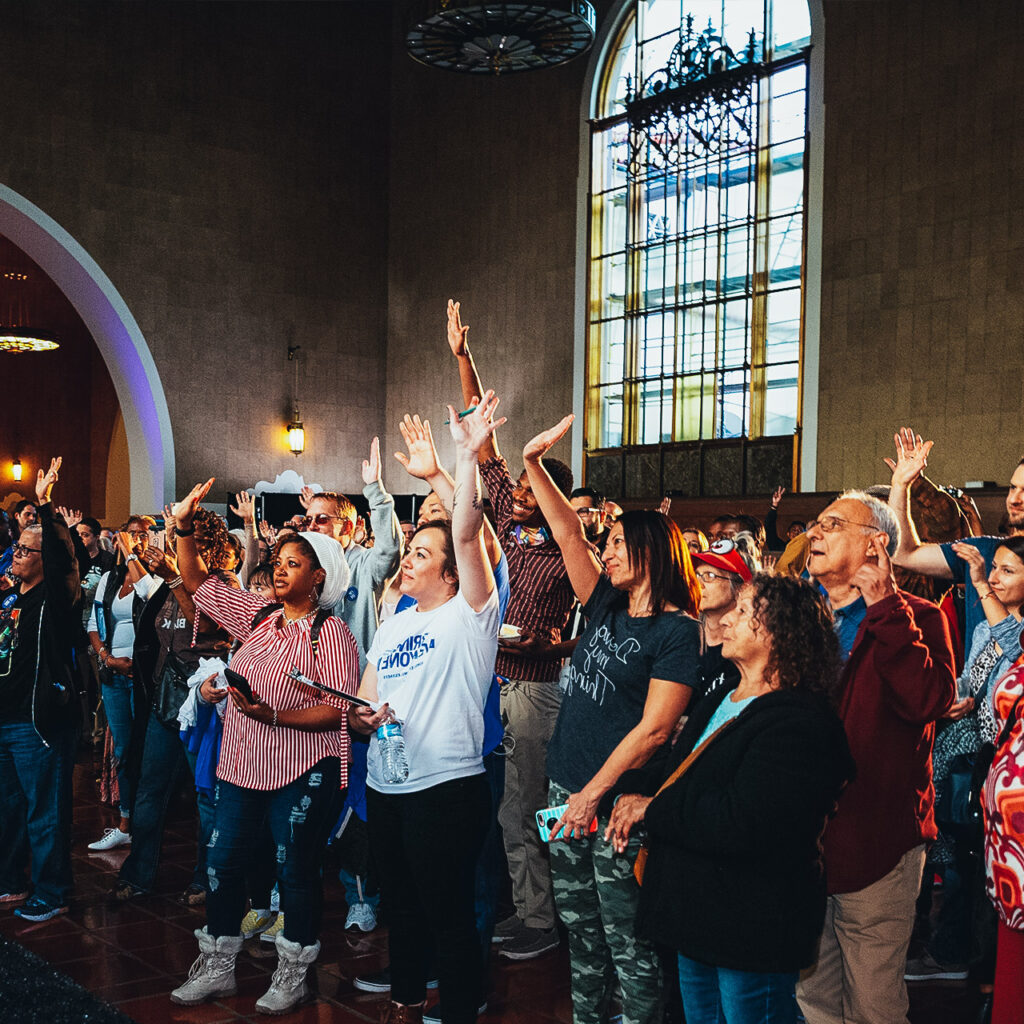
<point>132,557</point>
<point>185,533</point>
<point>175,583</point>
<point>987,594</point>
<point>274,723</point>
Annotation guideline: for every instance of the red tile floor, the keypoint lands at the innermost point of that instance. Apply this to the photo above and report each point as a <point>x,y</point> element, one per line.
<point>133,955</point>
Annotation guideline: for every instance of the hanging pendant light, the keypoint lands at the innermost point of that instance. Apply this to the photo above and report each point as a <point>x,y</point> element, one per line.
<point>15,315</point>
<point>501,38</point>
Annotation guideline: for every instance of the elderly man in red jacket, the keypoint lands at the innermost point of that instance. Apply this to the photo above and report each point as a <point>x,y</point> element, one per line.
<point>897,680</point>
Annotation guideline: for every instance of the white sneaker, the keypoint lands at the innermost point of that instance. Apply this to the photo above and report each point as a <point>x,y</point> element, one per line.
<point>112,838</point>
<point>361,916</point>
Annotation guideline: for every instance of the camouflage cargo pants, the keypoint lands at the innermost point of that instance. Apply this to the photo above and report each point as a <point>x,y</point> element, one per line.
<point>596,896</point>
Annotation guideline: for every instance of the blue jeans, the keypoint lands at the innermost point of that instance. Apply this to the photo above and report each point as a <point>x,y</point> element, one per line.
<point>164,762</point>
<point>118,704</point>
<point>207,807</point>
<point>491,866</point>
<point>35,811</point>
<point>299,815</point>
<point>718,995</point>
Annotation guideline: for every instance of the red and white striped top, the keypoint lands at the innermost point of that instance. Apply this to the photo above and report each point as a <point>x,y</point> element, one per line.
<point>259,756</point>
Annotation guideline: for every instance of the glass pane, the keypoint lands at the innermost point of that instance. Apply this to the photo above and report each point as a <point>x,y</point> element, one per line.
<point>609,413</point>
<point>781,399</point>
<point>609,230</point>
<point>783,334</point>
<point>610,159</point>
<point>731,406</point>
<point>696,407</point>
<point>735,328</point>
<point>607,340</point>
<point>608,285</point>
<point>785,248</point>
<point>655,424</point>
<point>787,183</point>
<point>657,345</point>
<point>788,116</point>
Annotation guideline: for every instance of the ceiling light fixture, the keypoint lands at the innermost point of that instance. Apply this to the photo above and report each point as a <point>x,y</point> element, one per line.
<point>499,38</point>
<point>17,288</point>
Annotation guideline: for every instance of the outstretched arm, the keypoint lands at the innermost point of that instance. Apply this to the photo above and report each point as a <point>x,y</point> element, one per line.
<point>580,561</point>
<point>422,463</point>
<point>471,433</point>
<point>190,563</point>
<point>386,553</point>
<point>468,376</point>
<point>911,459</point>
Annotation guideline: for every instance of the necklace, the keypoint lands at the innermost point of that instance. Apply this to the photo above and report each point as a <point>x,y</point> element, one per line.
<point>298,619</point>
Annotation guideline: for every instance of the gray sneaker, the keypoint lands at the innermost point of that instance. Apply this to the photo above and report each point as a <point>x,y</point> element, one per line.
<point>510,928</point>
<point>529,943</point>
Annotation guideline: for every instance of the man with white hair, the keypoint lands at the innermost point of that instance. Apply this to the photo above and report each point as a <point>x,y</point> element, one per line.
<point>898,678</point>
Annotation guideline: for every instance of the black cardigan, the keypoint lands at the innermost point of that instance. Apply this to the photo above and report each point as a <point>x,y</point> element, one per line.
<point>734,876</point>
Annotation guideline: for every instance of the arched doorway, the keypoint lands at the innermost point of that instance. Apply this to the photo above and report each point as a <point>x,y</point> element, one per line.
<point>128,359</point>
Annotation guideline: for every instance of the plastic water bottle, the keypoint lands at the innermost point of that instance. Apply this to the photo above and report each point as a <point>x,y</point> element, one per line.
<point>394,763</point>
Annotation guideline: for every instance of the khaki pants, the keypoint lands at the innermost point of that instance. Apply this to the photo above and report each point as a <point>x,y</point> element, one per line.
<point>858,978</point>
<point>529,711</point>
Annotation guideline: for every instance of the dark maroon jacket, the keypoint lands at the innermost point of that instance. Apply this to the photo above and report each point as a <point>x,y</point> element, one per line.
<point>898,680</point>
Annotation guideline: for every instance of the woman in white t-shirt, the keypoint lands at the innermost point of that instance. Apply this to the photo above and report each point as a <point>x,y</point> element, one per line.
<point>431,667</point>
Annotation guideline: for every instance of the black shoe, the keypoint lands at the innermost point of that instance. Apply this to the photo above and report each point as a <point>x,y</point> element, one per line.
<point>125,892</point>
<point>530,943</point>
<point>510,928</point>
<point>380,981</point>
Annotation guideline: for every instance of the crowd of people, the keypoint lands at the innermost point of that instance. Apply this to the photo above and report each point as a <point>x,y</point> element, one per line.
<point>727,764</point>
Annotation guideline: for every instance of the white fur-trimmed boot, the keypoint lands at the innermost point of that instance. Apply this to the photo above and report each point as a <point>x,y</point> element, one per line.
<point>288,986</point>
<point>213,973</point>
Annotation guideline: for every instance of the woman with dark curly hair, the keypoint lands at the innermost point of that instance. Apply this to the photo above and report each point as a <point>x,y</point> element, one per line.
<point>734,879</point>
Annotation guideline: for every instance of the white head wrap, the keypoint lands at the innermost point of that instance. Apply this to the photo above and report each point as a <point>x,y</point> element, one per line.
<point>331,556</point>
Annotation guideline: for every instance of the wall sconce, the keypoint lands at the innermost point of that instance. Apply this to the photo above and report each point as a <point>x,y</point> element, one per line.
<point>16,469</point>
<point>296,435</point>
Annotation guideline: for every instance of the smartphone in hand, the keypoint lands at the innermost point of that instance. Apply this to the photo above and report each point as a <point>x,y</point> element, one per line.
<point>241,684</point>
<point>550,817</point>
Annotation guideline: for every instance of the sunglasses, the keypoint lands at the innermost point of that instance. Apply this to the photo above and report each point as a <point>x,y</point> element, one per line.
<point>321,519</point>
<point>21,551</point>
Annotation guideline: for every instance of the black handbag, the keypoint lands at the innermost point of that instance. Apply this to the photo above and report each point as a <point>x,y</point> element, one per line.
<point>171,690</point>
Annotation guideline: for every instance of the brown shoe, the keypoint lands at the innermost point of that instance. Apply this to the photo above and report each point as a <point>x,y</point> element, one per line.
<point>396,1013</point>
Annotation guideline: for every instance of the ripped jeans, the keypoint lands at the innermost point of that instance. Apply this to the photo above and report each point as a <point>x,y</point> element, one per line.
<point>299,815</point>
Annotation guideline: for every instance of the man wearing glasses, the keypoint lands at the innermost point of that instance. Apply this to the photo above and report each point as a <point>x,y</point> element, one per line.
<point>333,514</point>
<point>898,678</point>
<point>38,714</point>
<point>589,506</point>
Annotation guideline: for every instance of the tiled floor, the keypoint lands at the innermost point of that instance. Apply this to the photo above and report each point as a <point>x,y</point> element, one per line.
<point>133,955</point>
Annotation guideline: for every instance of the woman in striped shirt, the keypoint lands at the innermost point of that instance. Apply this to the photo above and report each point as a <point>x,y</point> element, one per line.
<point>283,756</point>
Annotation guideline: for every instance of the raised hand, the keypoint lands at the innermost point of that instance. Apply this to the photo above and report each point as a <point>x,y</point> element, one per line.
<point>244,507</point>
<point>421,462</point>
<point>306,495</point>
<point>160,563</point>
<point>911,457</point>
<point>874,579</point>
<point>268,533</point>
<point>666,505</point>
<point>474,430</point>
<point>185,509</point>
<point>371,466</point>
<point>456,332</point>
<point>777,496</point>
<point>169,526</point>
<point>975,563</point>
<point>45,481</point>
<point>536,449</point>
<point>72,516</point>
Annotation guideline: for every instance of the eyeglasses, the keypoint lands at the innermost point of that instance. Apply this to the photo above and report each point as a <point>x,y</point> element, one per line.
<point>707,576</point>
<point>321,519</point>
<point>829,524</point>
<point>21,551</point>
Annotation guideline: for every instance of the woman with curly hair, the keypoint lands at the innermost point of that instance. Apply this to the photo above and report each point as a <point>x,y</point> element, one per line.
<point>734,879</point>
<point>169,643</point>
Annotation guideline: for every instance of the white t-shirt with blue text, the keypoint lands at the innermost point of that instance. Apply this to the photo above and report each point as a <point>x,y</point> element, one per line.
<point>434,668</point>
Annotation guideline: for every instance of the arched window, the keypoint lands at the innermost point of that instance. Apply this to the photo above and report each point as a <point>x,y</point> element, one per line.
<point>697,241</point>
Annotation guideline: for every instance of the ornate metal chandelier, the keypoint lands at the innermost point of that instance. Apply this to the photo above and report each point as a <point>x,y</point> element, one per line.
<point>501,38</point>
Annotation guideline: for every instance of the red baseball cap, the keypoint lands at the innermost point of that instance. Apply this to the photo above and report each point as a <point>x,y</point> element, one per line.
<point>723,555</point>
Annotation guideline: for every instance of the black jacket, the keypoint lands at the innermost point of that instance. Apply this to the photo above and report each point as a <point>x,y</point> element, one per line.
<point>54,705</point>
<point>735,875</point>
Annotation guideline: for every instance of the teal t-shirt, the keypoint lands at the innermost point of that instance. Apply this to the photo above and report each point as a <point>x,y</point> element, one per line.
<point>725,712</point>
